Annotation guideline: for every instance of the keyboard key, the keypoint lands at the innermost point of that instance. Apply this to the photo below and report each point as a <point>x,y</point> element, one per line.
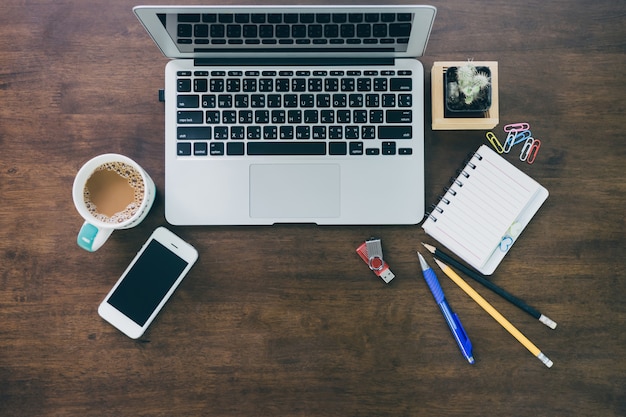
<point>237,132</point>
<point>274,18</point>
<point>405,100</point>
<point>286,132</point>
<point>216,148</point>
<point>389,100</point>
<point>183,148</point>
<point>235,148</point>
<point>337,148</point>
<point>340,17</point>
<point>319,132</point>
<point>216,85</point>
<point>287,148</point>
<point>401,84</point>
<point>389,148</point>
<point>355,17</point>
<point>376,116</point>
<point>200,149</point>
<point>233,85</point>
<point>249,85</point>
<point>184,101</point>
<point>352,132</point>
<point>359,116</point>
<point>356,148</point>
<point>397,30</point>
<point>331,31</point>
<point>212,117</point>
<point>200,85</point>
<point>253,132</point>
<point>183,85</point>
<point>327,116</point>
<point>218,31</point>
<point>242,18</point>
<point>193,132</point>
<point>399,116</point>
<point>189,117</point>
<point>262,116</point>
<point>185,31</point>
<point>303,132</point>
<point>368,132</point>
<point>201,31</point>
<point>395,132</point>
<point>335,132</point>
<point>270,132</point>
<point>188,17</point>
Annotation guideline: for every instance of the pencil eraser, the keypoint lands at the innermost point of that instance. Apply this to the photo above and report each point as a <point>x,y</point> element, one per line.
<point>543,358</point>
<point>547,321</point>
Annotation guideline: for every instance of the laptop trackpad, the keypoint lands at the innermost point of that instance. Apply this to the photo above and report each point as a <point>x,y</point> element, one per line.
<point>293,191</point>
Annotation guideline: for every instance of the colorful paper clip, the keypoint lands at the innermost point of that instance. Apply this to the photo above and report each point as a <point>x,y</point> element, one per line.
<point>529,150</point>
<point>494,142</point>
<point>509,141</point>
<point>516,126</point>
<point>521,136</point>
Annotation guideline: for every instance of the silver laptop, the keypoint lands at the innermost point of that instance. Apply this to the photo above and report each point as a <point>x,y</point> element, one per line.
<point>293,114</point>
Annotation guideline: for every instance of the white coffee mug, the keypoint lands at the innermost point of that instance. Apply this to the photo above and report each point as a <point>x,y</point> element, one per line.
<point>123,191</point>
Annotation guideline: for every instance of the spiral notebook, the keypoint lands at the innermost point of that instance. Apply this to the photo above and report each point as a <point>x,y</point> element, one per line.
<point>484,210</point>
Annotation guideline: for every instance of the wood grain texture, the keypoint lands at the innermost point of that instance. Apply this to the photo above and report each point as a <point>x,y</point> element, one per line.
<point>287,320</point>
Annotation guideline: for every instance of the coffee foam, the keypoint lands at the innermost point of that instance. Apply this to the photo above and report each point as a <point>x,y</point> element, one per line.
<point>134,180</point>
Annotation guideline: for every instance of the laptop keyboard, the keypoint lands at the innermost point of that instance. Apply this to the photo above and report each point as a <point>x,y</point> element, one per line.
<point>293,28</point>
<point>294,112</point>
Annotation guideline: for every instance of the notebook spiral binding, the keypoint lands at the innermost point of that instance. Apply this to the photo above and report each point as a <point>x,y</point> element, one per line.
<point>467,162</point>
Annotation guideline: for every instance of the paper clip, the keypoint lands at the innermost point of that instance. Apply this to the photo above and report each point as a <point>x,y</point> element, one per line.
<point>521,136</point>
<point>509,141</point>
<point>529,150</point>
<point>517,126</point>
<point>494,142</point>
<point>532,154</point>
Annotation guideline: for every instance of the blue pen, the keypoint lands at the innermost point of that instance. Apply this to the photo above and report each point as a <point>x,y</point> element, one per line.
<point>451,318</point>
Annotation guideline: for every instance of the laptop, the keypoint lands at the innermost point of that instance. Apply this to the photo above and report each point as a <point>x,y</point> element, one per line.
<point>293,114</point>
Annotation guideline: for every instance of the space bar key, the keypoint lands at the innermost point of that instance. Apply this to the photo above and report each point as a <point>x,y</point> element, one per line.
<point>286,148</point>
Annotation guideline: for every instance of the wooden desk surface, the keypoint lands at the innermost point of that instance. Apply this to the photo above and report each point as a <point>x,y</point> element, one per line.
<point>287,320</point>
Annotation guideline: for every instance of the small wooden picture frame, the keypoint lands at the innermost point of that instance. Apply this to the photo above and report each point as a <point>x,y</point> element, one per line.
<point>440,121</point>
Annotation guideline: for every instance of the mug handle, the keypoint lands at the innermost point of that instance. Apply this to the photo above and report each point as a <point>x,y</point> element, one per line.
<point>91,237</point>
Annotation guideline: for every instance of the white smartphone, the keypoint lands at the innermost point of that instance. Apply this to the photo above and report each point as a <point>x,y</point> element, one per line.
<point>148,282</point>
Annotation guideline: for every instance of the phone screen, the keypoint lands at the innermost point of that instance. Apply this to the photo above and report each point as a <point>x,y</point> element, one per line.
<point>147,282</point>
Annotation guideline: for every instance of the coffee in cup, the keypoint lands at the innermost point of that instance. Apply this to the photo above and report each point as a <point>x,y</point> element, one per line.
<point>114,192</point>
<point>111,192</point>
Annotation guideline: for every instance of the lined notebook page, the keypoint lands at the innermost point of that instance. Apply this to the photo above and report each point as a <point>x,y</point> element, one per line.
<point>480,206</point>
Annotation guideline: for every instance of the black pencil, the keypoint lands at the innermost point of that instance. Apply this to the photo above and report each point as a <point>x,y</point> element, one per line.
<point>493,287</point>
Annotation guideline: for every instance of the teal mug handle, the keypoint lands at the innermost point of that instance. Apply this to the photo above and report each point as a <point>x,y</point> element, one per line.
<point>91,237</point>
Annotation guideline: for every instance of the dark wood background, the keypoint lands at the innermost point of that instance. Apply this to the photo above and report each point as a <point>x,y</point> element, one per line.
<point>287,320</point>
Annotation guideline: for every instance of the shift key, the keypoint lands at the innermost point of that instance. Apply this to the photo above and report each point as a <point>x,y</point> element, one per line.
<point>189,117</point>
<point>395,132</point>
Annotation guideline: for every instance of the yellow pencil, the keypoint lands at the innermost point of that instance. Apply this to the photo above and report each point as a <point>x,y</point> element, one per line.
<point>494,313</point>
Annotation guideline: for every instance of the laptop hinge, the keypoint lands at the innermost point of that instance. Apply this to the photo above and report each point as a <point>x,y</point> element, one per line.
<point>293,61</point>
